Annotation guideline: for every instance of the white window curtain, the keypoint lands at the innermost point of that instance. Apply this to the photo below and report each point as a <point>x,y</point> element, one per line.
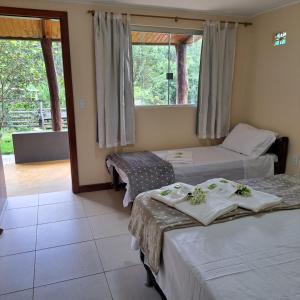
<point>114,83</point>
<point>216,78</point>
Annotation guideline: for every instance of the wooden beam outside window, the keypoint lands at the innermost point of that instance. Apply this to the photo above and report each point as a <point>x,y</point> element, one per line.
<point>46,44</point>
<point>182,75</point>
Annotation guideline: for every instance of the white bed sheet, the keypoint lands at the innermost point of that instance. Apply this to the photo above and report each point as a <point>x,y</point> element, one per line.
<point>211,162</point>
<point>249,258</point>
<point>215,161</point>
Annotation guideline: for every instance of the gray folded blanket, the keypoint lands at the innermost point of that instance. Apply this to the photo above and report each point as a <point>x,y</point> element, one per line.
<point>145,171</point>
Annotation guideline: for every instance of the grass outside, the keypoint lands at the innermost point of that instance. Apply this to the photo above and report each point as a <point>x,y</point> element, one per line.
<point>6,143</point>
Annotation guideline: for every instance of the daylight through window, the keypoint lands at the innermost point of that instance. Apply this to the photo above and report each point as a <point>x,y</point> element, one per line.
<point>166,67</point>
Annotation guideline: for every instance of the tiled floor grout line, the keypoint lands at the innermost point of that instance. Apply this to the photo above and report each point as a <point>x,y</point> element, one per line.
<point>5,294</point>
<point>93,238</point>
<point>7,209</point>
<point>62,245</point>
<point>66,280</point>
<point>69,244</point>
<point>98,251</point>
<point>13,254</point>
<point>38,224</point>
<point>75,278</point>
<point>116,269</point>
<point>56,282</point>
<point>106,280</point>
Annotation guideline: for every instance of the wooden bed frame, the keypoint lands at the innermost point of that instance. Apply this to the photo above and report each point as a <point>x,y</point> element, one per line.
<point>279,148</point>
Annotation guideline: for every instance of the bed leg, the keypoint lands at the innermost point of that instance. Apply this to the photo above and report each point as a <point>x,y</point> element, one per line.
<point>116,180</point>
<point>149,282</point>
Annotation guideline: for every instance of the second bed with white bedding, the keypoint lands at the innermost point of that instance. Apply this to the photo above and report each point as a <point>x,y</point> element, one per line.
<point>210,162</point>
<point>249,258</point>
<point>216,161</point>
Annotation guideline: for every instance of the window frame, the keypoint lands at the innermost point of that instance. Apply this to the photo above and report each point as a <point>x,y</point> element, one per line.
<point>169,30</point>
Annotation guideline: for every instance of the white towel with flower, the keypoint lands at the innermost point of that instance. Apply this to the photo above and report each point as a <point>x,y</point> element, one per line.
<point>257,202</point>
<point>207,211</point>
<point>243,196</point>
<point>211,199</point>
<point>219,186</point>
<point>173,193</point>
<point>180,157</point>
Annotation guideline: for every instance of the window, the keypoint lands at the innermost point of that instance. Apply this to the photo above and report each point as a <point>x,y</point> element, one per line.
<point>166,66</point>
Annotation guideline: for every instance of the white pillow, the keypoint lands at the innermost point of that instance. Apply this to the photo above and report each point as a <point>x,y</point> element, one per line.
<point>249,140</point>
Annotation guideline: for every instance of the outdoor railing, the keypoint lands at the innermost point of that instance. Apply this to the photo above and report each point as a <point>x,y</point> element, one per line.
<point>32,119</point>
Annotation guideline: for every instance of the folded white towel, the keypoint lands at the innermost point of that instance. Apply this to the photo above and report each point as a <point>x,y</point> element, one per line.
<point>219,186</point>
<point>226,189</point>
<point>181,157</point>
<point>220,199</point>
<point>207,212</point>
<point>173,193</point>
<point>257,202</point>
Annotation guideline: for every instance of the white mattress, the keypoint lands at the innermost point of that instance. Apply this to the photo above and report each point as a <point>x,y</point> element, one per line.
<point>249,258</point>
<point>215,161</point>
<point>211,162</point>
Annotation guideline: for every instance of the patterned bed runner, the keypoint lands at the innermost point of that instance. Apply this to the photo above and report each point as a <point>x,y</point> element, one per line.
<point>150,218</point>
<point>145,171</point>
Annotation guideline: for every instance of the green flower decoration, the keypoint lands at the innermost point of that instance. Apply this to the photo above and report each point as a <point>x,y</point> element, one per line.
<point>243,191</point>
<point>197,197</point>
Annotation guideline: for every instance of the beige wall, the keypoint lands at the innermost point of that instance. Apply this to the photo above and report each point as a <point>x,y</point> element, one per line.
<point>157,128</point>
<point>272,94</point>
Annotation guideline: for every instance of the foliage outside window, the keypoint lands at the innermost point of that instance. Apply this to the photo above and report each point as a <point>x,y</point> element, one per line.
<point>24,87</point>
<point>23,81</point>
<point>166,67</point>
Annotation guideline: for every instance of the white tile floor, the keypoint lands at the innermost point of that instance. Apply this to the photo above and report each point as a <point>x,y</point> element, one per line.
<point>73,247</point>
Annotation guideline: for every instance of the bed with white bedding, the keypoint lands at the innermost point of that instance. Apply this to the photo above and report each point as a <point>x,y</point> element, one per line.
<point>216,161</point>
<point>207,162</point>
<point>252,257</point>
<point>241,155</point>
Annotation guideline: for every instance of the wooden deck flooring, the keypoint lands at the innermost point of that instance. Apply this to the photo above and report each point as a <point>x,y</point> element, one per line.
<point>32,178</point>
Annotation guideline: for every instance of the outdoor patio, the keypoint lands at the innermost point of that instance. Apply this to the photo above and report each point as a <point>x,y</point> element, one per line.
<point>33,178</point>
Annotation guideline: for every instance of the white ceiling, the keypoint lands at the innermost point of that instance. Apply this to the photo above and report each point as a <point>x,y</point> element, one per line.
<point>225,7</point>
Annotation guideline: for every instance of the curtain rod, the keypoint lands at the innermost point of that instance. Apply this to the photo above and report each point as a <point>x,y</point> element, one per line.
<point>176,19</point>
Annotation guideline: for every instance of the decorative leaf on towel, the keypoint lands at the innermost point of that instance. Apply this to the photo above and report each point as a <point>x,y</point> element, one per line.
<point>224,181</point>
<point>243,191</point>
<point>212,186</point>
<point>197,197</point>
<point>166,192</point>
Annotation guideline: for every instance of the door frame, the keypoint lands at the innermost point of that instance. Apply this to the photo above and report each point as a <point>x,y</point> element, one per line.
<point>62,16</point>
